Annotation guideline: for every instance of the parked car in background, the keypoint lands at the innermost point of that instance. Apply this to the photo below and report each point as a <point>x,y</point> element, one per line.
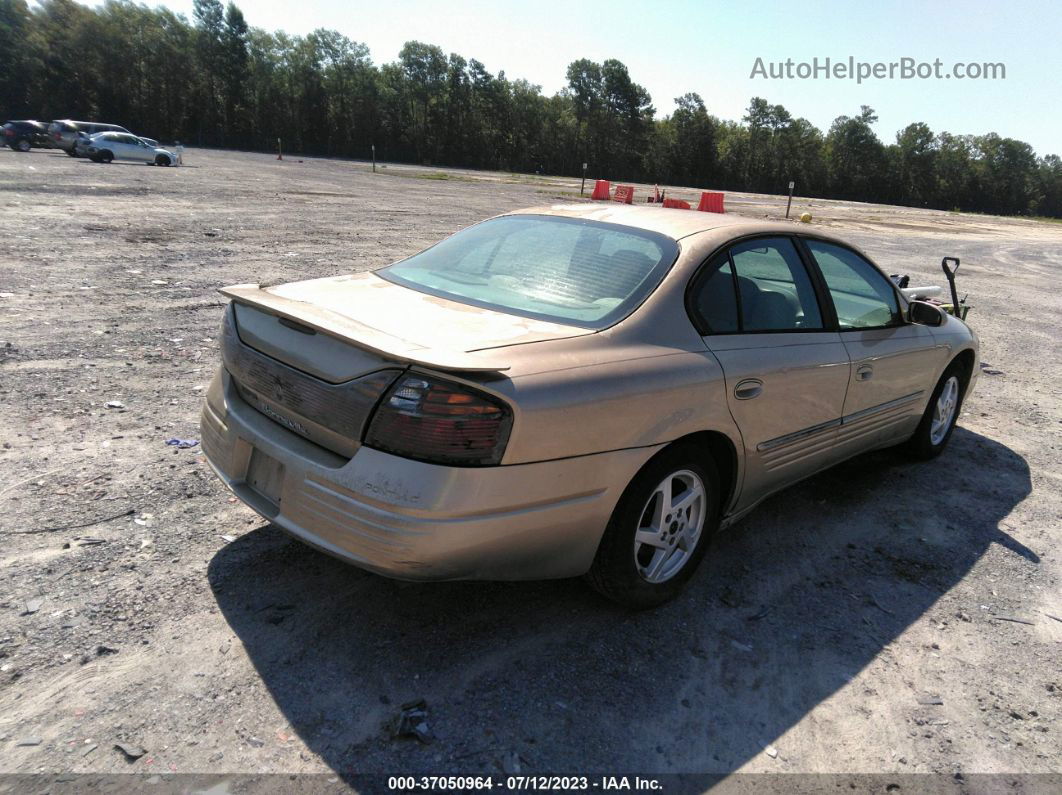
<point>107,146</point>
<point>25,135</point>
<point>84,141</point>
<point>66,132</point>
<point>571,390</point>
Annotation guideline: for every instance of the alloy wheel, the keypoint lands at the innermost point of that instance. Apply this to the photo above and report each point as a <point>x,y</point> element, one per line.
<point>670,526</point>
<point>944,411</point>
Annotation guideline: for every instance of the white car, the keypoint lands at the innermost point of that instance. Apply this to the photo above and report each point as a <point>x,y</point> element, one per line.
<point>107,146</point>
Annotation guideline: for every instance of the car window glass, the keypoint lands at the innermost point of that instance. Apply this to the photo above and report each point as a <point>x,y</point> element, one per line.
<point>774,290</point>
<point>580,272</point>
<point>714,301</point>
<point>862,297</point>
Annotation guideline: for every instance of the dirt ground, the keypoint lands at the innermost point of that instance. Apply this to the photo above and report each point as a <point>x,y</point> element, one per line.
<point>857,623</point>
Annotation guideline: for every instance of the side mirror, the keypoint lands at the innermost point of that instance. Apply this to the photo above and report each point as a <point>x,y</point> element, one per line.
<point>925,314</point>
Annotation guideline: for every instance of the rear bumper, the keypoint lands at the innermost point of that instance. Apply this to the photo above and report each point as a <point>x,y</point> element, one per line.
<point>417,521</point>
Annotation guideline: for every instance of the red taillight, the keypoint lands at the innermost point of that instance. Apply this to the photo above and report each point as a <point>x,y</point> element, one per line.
<point>441,422</point>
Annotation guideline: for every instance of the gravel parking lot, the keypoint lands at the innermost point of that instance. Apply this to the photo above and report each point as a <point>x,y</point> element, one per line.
<point>882,617</point>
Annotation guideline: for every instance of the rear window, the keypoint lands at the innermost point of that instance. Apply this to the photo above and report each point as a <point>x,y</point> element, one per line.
<point>566,270</point>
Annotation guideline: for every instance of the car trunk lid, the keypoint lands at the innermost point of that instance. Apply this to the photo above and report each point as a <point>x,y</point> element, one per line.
<point>335,327</point>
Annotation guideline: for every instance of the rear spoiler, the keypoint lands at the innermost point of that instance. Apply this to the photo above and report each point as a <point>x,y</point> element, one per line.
<point>350,330</point>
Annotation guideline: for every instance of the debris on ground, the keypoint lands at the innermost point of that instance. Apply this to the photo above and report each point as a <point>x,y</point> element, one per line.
<point>931,701</point>
<point>90,523</point>
<point>114,404</point>
<point>132,752</point>
<point>874,601</point>
<point>26,742</point>
<point>412,721</point>
<point>771,751</point>
<point>1015,619</point>
<point>182,444</point>
<point>510,763</point>
<point>88,541</point>
<point>32,606</point>
<point>729,598</point>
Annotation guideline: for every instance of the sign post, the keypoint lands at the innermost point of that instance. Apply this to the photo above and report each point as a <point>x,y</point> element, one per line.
<point>280,155</point>
<point>374,158</point>
<point>582,185</point>
<point>789,203</point>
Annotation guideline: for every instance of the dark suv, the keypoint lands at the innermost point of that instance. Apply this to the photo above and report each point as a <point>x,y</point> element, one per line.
<point>65,133</point>
<point>23,135</point>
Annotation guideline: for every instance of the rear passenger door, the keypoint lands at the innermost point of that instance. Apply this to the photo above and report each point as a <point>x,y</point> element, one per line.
<point>888,388</point>
<point>786,373</point>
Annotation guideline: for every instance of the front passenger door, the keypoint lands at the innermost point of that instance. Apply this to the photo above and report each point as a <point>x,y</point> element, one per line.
<point>888,391</point>
<point>131,148</point>
<point>785,373</point>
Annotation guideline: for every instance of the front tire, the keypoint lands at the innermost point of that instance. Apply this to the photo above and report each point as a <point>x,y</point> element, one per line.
<point>21,146</point>
<point>162,160</point>
<point>659,531</point>
<point>105,157</point>
<point>71,152</point>
<point>938,422</point>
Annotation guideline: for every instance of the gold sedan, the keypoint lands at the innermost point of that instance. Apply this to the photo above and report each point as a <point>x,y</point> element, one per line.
<point>572,390</point>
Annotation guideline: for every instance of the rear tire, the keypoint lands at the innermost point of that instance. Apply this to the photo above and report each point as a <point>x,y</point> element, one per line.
<point>942,412</point>
<point>71,152</point>
<point>105,157</point>
<point>659,530</point>
<point>21,145</point>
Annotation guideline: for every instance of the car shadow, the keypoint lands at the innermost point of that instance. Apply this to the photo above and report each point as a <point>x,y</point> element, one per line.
<point>788,607</point>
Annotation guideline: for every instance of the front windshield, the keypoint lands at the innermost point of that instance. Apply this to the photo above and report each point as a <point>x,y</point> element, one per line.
<point>566,270</point>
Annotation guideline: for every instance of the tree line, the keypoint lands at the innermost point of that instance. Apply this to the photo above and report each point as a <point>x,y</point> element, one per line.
<point>216,81</point>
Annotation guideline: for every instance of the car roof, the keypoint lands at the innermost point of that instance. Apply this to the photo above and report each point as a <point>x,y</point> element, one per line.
<point>103,125</point>
<point>673,223</point>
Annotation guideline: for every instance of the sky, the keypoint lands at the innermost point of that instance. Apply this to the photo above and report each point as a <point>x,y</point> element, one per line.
<point>672,47</point>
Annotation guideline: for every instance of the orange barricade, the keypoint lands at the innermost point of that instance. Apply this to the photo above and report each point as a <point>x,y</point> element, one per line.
<point>624,194</point>
<point>677,204</point>
<point>711,202</point>
<point>601,189</point>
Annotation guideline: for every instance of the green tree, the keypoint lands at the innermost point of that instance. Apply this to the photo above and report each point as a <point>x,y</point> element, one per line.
<point>19,72</point>
<point>855,158</point>
<point>915,171</point>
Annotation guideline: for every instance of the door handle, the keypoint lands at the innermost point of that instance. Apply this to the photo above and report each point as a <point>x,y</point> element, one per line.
<point>748,389</point>
<point>864,373</point>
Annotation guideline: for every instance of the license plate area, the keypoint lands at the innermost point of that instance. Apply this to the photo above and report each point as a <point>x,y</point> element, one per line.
<point>265,475</point>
